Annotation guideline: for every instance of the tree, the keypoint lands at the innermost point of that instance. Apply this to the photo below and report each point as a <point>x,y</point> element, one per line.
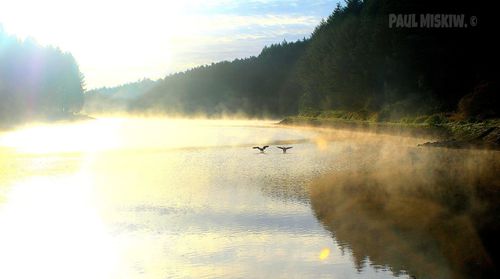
<point>37,82</point>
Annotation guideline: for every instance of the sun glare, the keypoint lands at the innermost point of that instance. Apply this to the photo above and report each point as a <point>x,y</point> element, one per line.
<point>117,42</point>
<point>83,137</point>
<point>323,255</point>
<point>136,43</point>
<point>127,133</point>
<point>50,229</point>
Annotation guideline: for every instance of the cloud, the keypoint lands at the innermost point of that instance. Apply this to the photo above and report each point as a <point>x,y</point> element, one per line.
<point>119,41</point>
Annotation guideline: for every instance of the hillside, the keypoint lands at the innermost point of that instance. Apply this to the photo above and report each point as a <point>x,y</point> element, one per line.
<point>257,86</point>
<point>115,99</point>
<point>353,62</point>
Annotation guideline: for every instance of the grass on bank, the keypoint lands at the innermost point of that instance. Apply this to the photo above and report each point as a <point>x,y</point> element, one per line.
<point>442,125</point>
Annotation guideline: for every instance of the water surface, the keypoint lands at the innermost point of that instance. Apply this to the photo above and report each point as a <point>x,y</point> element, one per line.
<point>156,198</point>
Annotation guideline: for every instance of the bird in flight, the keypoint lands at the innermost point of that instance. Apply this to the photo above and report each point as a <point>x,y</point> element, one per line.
<point>284,148</point>
<point>261,148</point>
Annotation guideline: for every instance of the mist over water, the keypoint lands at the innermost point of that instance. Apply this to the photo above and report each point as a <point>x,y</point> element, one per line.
<point>163,198</point>
<point>431,213</point>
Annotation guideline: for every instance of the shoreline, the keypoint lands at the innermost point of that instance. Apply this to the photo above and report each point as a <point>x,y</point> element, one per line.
<point>456,135</point>
<point>5,126</point>
<point>465,135</point>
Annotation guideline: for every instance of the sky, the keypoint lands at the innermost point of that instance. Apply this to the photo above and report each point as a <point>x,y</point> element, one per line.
<point>121,41</point>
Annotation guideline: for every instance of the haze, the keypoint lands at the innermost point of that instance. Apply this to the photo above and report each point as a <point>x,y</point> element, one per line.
<point>248,139</point>
<point>116,42</point>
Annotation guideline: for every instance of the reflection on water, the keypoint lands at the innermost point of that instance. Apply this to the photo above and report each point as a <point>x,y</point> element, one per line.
<point>131,198</point>
<point>431,213</point>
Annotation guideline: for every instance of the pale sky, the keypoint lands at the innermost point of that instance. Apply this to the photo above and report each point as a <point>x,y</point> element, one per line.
<point>120,41</point>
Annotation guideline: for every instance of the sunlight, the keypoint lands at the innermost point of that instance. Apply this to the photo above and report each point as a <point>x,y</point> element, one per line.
<point>129,40</point>
<point>249,138</point>
<point>83,137</point>
<point>134,30</point>
<point>50,229</point>
<point>131,133</point>
<point>323,255</point>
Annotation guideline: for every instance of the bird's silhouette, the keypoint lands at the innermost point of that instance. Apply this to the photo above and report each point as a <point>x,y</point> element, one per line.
<point>284,148</point>
<point>261,148</point>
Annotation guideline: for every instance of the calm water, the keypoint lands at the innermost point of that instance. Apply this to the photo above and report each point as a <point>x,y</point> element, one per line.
<point>118,198</point>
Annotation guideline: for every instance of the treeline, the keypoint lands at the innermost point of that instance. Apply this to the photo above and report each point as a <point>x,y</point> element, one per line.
<point>37,82</point>
<point>115,99</point>
<point>259,86</point>
<point>352,62</point>
<point>356,62</point>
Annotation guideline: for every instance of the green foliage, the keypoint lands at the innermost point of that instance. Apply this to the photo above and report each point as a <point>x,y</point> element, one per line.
<point>436,119</point>
<point>353,67</point>
<point>356,61</point>
<point>360,115</point>
<point>310,112</point>
<point>420,119</point>
<point>37,82</point>
<point>353,63</point>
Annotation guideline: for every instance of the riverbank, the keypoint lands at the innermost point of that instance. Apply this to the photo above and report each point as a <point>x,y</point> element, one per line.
<point>453,134</point>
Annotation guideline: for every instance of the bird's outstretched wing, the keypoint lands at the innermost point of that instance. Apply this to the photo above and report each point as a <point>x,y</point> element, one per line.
<point>264,147</point>
<point>284,148</point>
<point>256,147</point>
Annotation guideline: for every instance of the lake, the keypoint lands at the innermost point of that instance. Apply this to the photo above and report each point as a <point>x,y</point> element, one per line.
<point>160,198</point>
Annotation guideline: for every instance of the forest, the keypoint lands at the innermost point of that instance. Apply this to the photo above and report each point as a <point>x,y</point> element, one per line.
<point>356,62</point>
<point>352,64</point>
<point>115,99</point>
<point>37,83</point>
